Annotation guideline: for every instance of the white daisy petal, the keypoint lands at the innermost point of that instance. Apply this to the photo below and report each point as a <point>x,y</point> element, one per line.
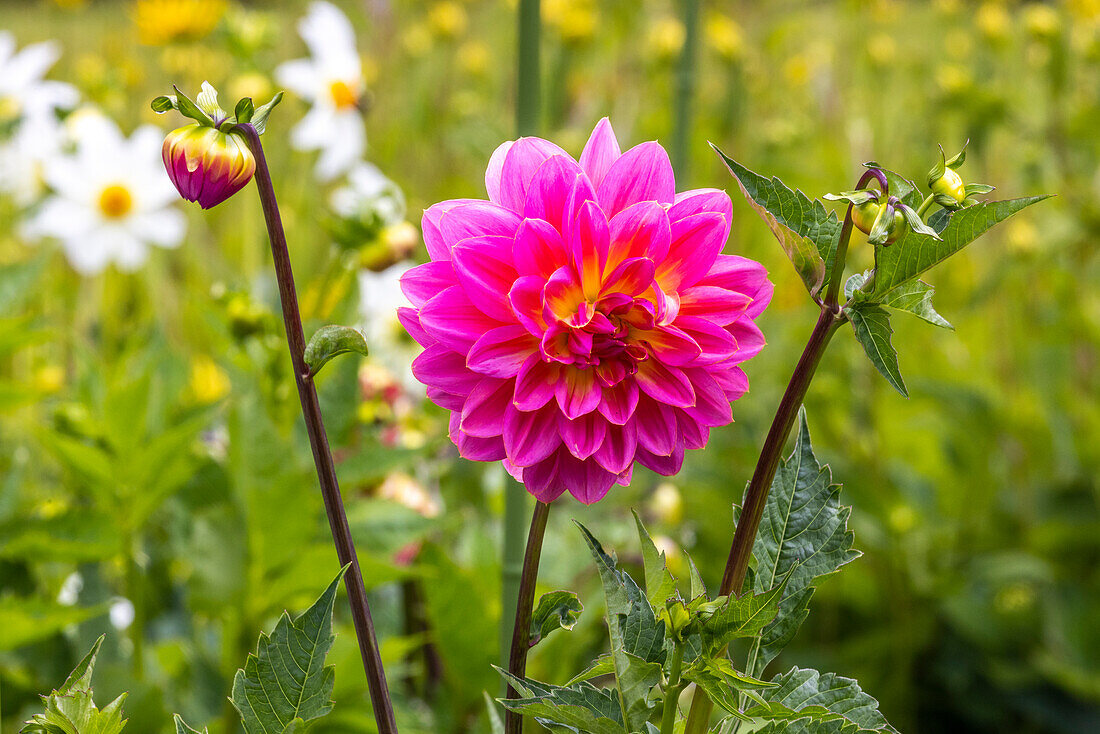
<point>344,148</point>
<point>90,254</point>
<point>30,64</point>
<point>314,130</point>
<point>164,228</point>
<point>301,77</point>
<point>326,30</point>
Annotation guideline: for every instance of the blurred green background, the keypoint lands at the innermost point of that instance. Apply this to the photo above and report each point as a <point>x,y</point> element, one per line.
<point>151,442</point>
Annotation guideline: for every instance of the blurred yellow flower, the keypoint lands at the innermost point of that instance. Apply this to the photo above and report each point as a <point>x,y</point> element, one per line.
<point>666,504</point>
<point>51,507</point>
<point>674,557</point>
<point>953,79</point>
<point>958,44</point>
<point>993,21</point>
<point>902,519</point>
<point>724,35</point>
<point>666,38</point>
<point>161,22</point>
<point>208,382</point>
<point>70,4</point>
<point>447,19</point>
<point>1084,9</point>
<point>417,39</point>
<point>49,379</point>
<point>1042,21</point>
<point>1015,597</point>
<point>474,58</point>
<point>882,49</point>
<point>796,70</point>
<point>1021,235</point>
<point>250,84</point>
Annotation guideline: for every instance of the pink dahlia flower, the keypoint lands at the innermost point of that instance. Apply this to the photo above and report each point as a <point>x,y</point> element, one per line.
<point>583,318</point>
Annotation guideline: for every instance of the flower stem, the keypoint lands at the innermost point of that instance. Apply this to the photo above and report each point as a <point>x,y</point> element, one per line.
<point>672,691</point>
<point>521,629</point>
<point>924,205</point>
<point>685,91</point>
<point>511,572</point>
<point>836,277</point>
<point>318,440</point>
<point>527,66</point>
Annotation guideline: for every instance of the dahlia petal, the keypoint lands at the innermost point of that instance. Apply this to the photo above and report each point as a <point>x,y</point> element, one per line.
<point>525,298</point>
<point>623,480</point>
<point>411,321</point>
<point>483,414</point>
<point>665,384</point>
<point>425,282</point>
<point>542,479</point>
<point>643,173</point>
<point>550,189</point>
<point>453,320</point>
<point>584,435</point>
<point>760,300</point>
<point>588,247</point>
<point>711,408</point>
<point>539,249</point>
<point>656,427</point>
<point>600,152</point>
<point>750,340</point>
<point>562,296</point>
<point>483,266</point>
<point>698,201</point>
<point>445,370</point>
<point>740,274</point>
<point>429,225</point>
<point>733,380</point>
<point>717,305</point>
<point>631,277</point>
<point>473,448</point>
<point>577,392</point>
<point>500,352</point>
<point>580,192</point>
<point>477,219</point>
<point>671,345</point>
<point>586,480</point>
<point>535,383</point>
<point>521,163</point>
<point>616,453</point>
<point>530,437</point>
<point>640,230</point>
<point>493,171</point>
<point>618,403</point>
<point>715,343</point>
<point>446,400</point>
<point>664,465</point>
<point>697,241</point>
<point>695,433</point>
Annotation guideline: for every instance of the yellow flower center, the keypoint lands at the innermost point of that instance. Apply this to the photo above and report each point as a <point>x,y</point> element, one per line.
<point>115,201</point>
<point>343,96</point>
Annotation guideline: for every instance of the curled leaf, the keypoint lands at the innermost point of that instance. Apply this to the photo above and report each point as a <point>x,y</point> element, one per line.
<point>557,609</point>
<point>332,341</point>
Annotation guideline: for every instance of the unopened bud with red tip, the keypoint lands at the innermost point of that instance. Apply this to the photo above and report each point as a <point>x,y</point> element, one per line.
<point>209,160</point>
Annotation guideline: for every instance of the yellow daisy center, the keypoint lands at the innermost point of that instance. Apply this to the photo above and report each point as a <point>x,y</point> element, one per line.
<point>115,201</point>
<point>343,96</point>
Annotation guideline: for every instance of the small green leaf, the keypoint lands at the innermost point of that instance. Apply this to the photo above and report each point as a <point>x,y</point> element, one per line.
<point>939,169</point>
<point>332,341</point>
<point>807,232</point>
<point>603,665</point>
<point>916,298</point>
<point>659,584</point>
<point>71,710</point>
<point>946,202</point>
<point>557,609</point>
<point>582,707</point>
<point>183,728</point>
<point>915,253</point>
<point>958,159</point>
<point>862,196</point>
<point>978,188</point>
<point>742,616</point>
<point>697,588</point>
<point>163,103</point>
<point>916,223</point>
<point>187,108</point>
<point>259,117</point>
<point>871,324</point>
<point>244,110</point>
<point>287,679</point>
<point>496,726</point>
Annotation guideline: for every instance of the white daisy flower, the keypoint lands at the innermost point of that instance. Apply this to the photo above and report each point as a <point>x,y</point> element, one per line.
<point>332,81</point>
<point>28,107</point>
<point>368,189</point>
<point>379,298</point>
<point>111,198</point>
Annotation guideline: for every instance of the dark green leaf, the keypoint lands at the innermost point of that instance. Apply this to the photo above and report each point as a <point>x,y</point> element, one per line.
<point>71,710</point>
<point>724,685</point>
<point>244,110</point>
<point>557,609</point>
<point>287,678</point>
<point>659,584</point>
<point>806,702</point>
<point>807,232</point>
<point>578,708</point>
<point>332,341</point>
<point>871,324</point>
<point>163,103</point>
<point>187,108</point>
<point>915,253</point>
<point>916,298</point>
<point>803,535</point>
<point>603,665</point>
<point>742,616</point>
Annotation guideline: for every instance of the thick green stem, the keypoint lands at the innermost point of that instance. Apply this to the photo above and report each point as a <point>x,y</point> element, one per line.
<point>521,628</point>
<point>685,91</point>
<point>318,441</point>
<point>924,205</point>
<point>672,691</point>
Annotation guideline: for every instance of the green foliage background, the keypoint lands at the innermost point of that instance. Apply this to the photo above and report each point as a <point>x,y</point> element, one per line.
<point>975,502</point>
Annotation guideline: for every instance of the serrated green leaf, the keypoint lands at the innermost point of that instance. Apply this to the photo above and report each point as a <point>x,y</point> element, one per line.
<point>183,728</point>
<point>71,710</point>
<point>724,685</point>
<point>577,708</point>
<point>742,616</point>
<point>603,665</point>
<point>287,679</point>
<point>555,610</point>
<point>807,232</point>
<point>659,584</point>
<point>332,341</point>
<point>915,253</point>
<point>803,535</point>
<point>871,324</point>
<point>915,297</point>
<point>697,587</point>
<point>807,702</point>
<point>259,117</point>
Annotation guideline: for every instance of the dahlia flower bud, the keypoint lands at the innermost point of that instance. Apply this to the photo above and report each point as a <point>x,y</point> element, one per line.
<point>208,160</point>
<point>207,165</point>
<point>583,319</point>
<point>947,186</point>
